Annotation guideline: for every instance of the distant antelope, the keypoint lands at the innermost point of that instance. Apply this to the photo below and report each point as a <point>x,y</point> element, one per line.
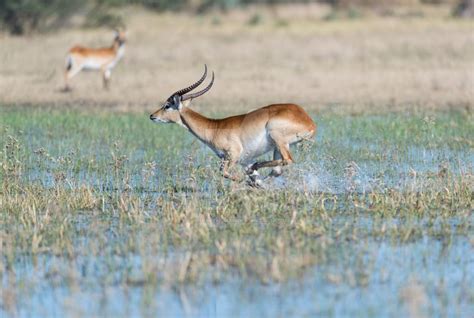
<point>99,59</point>
<point>242,138</point>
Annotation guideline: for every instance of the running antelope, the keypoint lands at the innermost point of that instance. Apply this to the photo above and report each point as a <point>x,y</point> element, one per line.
<point>242,138</point>
<point>98,59</point>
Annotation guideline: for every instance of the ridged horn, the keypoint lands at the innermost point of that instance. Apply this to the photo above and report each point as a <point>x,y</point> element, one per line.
<point>197,94</point>
<point>190,88</point>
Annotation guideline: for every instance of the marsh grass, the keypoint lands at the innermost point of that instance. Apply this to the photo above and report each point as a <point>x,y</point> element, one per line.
<point>93,202</point>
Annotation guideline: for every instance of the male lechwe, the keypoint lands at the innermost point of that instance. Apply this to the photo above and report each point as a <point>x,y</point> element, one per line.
<point>242,138</point>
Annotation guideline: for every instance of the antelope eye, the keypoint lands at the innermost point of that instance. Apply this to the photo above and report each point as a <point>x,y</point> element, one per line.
<point>167,106</point>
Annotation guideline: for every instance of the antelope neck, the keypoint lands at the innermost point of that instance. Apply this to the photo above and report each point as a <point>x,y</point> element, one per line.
<point>200,126</point>
<point>117,45</point>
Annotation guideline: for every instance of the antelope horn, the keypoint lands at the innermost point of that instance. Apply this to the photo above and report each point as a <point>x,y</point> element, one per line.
<point>190,88</point>
<point>197,94</point>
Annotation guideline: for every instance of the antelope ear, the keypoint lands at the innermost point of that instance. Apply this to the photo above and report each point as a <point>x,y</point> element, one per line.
<point>177,102</point>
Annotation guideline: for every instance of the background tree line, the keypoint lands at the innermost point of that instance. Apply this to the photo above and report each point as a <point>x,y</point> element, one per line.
<point>24,16</point>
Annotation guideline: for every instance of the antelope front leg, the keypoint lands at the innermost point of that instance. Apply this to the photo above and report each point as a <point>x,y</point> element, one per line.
<point>106,78</point>
<point>225,165</point>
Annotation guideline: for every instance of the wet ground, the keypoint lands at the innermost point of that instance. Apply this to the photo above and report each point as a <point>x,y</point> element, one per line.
<point>425,268</point>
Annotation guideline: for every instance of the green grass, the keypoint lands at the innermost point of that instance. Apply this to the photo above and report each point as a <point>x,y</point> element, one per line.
<point>86,194</point>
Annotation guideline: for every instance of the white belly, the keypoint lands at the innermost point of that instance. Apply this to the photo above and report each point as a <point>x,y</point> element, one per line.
<point>97,64</point>
<point>91,65</point>
<point>256,147</point>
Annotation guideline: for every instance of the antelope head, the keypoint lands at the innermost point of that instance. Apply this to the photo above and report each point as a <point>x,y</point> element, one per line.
<point>169,112</point>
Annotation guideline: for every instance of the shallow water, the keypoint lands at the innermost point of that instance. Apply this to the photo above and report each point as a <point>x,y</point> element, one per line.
<point>414,169</point>
<point>429,274</point>
<point>369,278</point>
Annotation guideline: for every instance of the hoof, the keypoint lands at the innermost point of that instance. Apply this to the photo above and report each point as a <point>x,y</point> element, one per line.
<point>255,180</point>
<point>254,175</point>
<point>257,184</point>
<point>249,170</point>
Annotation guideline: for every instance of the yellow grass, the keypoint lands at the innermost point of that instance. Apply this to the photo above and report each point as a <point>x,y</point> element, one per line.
<point>371,64</point>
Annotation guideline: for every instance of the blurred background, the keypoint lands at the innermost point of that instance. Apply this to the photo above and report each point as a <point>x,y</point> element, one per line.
<point>343,55</point>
